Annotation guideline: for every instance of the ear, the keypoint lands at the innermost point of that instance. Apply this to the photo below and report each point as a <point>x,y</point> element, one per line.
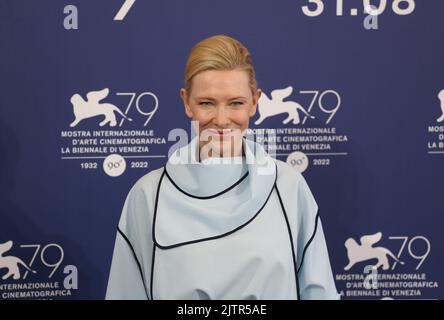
<point>184,96</point>
<point>5,246</point>
<point>256,97</point>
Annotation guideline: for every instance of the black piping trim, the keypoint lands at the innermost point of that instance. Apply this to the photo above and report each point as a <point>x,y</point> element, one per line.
<point>291,243</point>
<point>206,197</point>
<point>153,257</point>
<point>152,271</point>
<point>309,241</point>
<point>209,238</point>
<point>135,256</point>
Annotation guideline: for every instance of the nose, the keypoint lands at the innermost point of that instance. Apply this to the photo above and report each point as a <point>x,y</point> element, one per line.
<point>221,119</point>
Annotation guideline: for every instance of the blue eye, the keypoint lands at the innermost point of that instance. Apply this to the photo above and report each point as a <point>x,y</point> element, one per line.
<point>205,103</point>
<point>237,103</point>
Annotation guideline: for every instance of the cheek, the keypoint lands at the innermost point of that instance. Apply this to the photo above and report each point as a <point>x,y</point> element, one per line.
<point>241,118</point>
<point>202,116</point>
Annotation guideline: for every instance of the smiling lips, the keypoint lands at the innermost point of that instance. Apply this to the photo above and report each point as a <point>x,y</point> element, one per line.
<point>221,133</point>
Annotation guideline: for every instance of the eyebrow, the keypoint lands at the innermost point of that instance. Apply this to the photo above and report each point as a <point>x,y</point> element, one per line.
<point>208,98</point>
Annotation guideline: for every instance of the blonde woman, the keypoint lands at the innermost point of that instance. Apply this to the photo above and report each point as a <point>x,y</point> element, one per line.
<point>222,219</point>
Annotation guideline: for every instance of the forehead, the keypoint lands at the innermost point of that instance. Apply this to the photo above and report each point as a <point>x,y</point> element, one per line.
<point>220,83</point>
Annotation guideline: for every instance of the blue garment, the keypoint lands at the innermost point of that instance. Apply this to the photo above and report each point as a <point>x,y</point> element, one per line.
<point>248,229</point>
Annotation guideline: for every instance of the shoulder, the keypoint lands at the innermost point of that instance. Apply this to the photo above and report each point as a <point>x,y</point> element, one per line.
<point>287,175</point>
<point>148,183</point>
<point>139,204</point>
<point>294,188</point>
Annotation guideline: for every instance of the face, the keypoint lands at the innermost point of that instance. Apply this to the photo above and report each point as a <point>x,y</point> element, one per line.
<point>222,103</point>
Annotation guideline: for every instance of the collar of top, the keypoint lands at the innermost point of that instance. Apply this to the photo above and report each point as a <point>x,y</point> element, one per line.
<point>198,201</point>
<point>214,175</point>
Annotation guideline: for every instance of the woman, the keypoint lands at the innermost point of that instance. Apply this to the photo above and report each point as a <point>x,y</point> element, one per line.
<point>222,219</point>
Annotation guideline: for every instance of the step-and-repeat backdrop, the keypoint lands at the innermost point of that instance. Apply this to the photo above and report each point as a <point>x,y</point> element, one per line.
<point>353,98</point>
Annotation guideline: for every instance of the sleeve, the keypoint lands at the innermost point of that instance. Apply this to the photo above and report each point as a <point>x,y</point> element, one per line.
<point>128,267</point>
<point>315,277</point>
<point>125,280</point>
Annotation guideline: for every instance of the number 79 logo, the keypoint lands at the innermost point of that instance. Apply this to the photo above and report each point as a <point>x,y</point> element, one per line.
<point>406,243</point>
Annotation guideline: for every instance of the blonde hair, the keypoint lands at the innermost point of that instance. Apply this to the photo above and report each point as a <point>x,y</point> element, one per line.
<point>219,52</point>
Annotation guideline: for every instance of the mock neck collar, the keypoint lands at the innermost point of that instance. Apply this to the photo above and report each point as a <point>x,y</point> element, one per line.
<point>201,201</point>
<point>215,174</point>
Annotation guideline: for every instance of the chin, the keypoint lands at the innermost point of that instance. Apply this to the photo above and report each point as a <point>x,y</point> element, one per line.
<point>215,149</point>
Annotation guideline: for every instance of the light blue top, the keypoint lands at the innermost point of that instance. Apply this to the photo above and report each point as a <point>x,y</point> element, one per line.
<point>247,229</point>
